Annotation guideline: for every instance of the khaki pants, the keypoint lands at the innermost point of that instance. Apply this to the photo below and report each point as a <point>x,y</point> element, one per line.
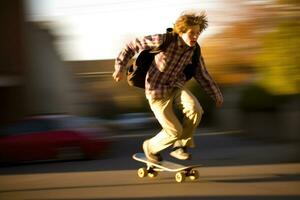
<point>173,131</point>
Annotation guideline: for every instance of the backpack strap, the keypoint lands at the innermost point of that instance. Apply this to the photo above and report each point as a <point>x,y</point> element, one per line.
<point>190,70</point>
<point>196,54</point>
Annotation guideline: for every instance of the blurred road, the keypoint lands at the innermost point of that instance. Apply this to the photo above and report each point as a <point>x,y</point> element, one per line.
<point>234,168</point>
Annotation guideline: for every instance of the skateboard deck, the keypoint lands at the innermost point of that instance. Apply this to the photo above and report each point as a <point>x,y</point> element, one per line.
<point>152,169</point>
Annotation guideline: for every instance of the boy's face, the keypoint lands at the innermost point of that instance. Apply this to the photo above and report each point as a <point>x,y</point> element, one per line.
<point>190,37</point>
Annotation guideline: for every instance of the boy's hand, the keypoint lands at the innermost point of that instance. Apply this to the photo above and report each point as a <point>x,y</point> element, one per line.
<point>219,102</point>
<point>118,76</point>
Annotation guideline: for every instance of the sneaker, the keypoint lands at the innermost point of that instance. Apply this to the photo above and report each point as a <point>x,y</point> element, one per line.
<point>180,153</point>
<point>155,158</point>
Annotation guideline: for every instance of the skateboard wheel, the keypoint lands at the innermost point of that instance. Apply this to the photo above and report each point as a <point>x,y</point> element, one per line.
<point>152,174</point>
<point>142,172</point>
<point>193,174</point>
<point>180,177</point>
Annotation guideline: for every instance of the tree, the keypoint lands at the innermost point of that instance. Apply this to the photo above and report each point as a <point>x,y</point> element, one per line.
<point>279,61</point>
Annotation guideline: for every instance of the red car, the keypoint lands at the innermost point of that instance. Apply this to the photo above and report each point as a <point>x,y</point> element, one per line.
<point>58,137</point>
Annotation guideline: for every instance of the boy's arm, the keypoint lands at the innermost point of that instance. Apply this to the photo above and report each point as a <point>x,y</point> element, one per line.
<point>206,81</point>
<point>133,47</point>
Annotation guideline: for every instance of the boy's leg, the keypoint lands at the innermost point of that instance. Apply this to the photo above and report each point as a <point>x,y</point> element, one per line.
<point>192,112</point>
<point>171,127</point>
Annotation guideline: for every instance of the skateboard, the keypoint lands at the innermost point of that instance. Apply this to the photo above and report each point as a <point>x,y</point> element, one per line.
<point>152,169</point>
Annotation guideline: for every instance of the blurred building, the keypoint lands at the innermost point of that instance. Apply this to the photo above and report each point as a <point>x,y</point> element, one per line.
<point>33,79</point>
<point>101,92</point>
<point>12,63</point>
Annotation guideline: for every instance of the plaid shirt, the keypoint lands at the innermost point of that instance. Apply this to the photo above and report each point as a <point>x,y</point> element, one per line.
<point>166,72</point>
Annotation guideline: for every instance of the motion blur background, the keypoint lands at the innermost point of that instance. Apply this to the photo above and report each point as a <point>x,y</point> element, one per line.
<point>57,57</point>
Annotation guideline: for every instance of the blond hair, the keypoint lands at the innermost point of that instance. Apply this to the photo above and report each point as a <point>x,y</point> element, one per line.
<point>188,19</point>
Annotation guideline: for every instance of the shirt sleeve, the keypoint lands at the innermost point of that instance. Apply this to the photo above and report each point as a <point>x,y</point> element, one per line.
<point>136,46</point>
<point>206,81</point>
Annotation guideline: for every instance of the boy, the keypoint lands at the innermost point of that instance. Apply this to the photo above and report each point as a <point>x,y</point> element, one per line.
<point>164,85</point>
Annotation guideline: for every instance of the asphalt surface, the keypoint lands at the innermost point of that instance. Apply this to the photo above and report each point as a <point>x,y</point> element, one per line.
<point>234,167</point>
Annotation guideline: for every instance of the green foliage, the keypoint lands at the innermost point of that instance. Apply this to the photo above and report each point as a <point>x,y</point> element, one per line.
<point>279,61</point>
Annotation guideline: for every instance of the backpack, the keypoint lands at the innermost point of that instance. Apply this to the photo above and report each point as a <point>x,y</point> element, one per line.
<point>136,73</point>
